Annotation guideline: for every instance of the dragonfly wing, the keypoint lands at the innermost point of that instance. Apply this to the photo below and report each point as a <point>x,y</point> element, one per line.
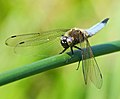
<point>85,63</point>
<point>91,67</point>
<point>33,39</point>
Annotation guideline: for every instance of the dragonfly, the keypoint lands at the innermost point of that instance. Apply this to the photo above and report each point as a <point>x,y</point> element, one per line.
<point>69,38</point>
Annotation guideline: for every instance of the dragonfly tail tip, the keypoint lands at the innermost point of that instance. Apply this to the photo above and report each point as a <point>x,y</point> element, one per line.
<point>105,20</point>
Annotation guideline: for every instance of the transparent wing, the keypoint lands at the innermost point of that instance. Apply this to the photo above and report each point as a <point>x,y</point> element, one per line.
<point>90,67</point>
<point>85,63</point>
<point>33,39</point>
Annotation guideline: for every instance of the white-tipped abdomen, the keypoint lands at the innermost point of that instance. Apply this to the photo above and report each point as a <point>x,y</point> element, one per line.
<point>97,27</point>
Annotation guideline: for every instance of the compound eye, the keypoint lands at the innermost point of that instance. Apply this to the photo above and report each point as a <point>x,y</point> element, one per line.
<point>69,40</point>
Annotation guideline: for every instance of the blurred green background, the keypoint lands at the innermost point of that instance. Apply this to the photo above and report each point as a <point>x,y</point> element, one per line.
<point>26,16</point>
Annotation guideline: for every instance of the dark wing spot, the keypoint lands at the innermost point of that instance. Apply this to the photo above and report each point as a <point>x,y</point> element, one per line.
<point>13,36</point>
<point>21,42</point>
<point>6,43</point>
<point>101,75</point>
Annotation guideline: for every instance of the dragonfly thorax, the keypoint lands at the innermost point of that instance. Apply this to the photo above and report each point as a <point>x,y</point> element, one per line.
<point>72,37</point>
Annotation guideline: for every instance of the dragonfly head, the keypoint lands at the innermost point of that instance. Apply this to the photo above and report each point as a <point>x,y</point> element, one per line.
<point>66,41</point>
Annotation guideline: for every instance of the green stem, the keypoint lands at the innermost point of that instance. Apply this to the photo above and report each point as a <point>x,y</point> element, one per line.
<point>54,62</point>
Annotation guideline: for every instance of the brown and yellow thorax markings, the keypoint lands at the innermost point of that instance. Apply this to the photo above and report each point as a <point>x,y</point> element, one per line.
<point>78,35</point>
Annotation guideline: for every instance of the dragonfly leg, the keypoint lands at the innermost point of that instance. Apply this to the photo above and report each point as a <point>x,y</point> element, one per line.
<point>63,50</point>
<point>78,65</point>
<point>72,50</point>
<point>81,54</point>
<point>78,48</point>
<point>79,61</point>
<point>71,55</point>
